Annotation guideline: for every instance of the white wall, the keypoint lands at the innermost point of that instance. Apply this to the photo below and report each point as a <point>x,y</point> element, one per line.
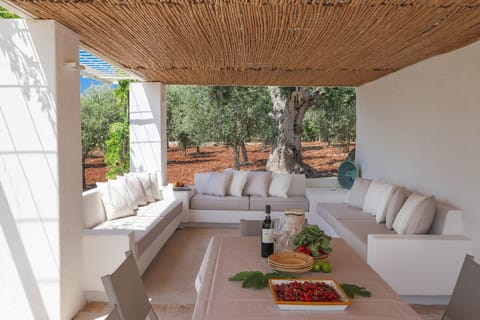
<point>40,172</point>
<point>420,128</point>
<point>148,128</point>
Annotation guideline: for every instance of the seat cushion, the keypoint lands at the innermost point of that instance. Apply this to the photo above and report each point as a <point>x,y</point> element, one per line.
<point>169,211</point>
<point>148,223</point>
<point>355,233</point>
<point>333,211</point>
<point>278,204</point>
<point>208,202</point>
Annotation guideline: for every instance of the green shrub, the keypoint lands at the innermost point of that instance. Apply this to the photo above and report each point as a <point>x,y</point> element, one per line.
<point>117,156</point>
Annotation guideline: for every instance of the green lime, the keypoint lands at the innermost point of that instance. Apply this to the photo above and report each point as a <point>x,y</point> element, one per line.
<point>326,267</point>
<point>317,266</point>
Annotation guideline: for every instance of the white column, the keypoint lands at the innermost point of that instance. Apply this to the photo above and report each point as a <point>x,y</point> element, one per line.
<point>148,128</point>
<point>40,172</point>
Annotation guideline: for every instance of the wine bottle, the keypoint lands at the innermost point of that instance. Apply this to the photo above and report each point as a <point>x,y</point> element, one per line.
<point>267,241</point>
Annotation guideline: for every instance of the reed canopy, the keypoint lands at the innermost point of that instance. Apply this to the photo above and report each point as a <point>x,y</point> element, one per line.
<point>264,42</point>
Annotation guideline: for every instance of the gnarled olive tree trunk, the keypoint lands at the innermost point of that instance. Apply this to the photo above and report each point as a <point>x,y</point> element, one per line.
<point>286,153</point>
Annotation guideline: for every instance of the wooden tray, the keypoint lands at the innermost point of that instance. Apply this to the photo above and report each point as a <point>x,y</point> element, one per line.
<point>302,305</point>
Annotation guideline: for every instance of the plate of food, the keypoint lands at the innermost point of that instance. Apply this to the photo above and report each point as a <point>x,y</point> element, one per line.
<point>308,294</point>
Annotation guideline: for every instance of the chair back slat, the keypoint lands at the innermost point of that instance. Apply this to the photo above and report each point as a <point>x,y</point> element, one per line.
<point>113,315</point>
<point>464,303</point>
<point>124,288</point>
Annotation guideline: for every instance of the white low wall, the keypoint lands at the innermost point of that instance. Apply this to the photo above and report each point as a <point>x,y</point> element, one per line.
<point>419,128</point>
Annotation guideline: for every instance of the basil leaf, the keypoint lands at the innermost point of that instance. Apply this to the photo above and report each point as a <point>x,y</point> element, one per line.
<point>352,289</point>
<point>241,275</point>
<point>255,280</point>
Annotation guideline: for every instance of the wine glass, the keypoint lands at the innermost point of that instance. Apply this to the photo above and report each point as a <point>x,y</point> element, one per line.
<point>276,235</point>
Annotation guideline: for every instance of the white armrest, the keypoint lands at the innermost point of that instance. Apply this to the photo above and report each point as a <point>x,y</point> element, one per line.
<point>418,264</point>
<point>103,251</point>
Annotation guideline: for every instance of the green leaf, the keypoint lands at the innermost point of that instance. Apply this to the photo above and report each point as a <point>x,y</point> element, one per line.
<point>324,243</point>
<point>241,275</point>
<point>327,250</point>
<point>352,289</point>
<point>255,280</point>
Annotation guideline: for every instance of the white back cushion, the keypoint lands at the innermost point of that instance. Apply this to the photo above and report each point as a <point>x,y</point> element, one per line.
<point>147,184</point>
<point>135,189</point>
<point>374,196</point>
<point>387,194</point>
<point>257,184</point>
<point>416,215</point>
<point>356,195</point>
<point>93,210</point>
<point>116,199</point>
<point>279,185</point>
<point>217,184</point>
<point>237,183</point>
<point>157,193</point>
<point>297,186</point>
<point>200,181</point>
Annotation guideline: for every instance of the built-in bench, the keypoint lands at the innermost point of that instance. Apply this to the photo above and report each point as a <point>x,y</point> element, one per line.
<point>230,209</point>
<point>415,265</point>
<point>106,241</point>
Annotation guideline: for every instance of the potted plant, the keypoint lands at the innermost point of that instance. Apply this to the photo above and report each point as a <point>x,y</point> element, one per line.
<point>313,241</point>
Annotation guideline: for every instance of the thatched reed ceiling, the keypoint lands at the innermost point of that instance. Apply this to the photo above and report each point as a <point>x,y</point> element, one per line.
<point>261,42</point>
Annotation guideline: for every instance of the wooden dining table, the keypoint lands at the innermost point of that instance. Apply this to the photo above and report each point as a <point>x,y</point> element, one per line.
<point>221,299</point>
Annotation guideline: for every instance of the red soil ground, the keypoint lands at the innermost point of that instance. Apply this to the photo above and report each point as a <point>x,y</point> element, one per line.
<point>325,159</point>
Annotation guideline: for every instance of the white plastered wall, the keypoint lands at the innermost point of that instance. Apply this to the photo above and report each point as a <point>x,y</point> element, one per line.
<point>148,128</point>
<point>420,128</point>
<point>40,172</point>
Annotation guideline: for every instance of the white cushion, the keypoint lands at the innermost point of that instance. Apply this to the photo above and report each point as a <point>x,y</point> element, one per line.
<point>217,184</point>
<point>116,199</point>
<point>147,184</point>
<point>200,181</point>
<point>258,183</point>
<point>416,215</point>
<point>157,193</point>
<point>387,194</point>
<point>394,205</point>
<point>279,185</point>
<point>373,197</point>
<point>356,196</point>
<point>135,189</point>
<point>239,178</point>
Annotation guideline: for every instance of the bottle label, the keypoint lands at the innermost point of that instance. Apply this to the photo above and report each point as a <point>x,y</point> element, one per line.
<point>267,236</point>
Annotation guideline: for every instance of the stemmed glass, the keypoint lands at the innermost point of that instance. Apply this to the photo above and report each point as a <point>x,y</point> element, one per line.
<point>276,235</point>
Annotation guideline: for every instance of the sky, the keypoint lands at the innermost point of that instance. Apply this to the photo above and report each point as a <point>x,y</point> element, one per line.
<point>87,82</point>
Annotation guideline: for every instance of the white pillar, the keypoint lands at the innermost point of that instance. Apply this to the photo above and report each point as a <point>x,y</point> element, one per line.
<point>148,128</point>
<point>40,172</point>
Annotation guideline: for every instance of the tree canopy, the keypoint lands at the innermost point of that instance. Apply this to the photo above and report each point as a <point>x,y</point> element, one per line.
<point>99,109</point>
<point>5,14</point>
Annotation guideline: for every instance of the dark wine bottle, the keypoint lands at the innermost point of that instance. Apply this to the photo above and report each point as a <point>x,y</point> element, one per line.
<point>267,241</point>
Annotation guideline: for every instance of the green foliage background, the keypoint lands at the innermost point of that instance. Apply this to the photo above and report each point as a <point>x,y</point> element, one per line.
<point>105,125</point>
<point>7,15</point>
<point>217,114</point>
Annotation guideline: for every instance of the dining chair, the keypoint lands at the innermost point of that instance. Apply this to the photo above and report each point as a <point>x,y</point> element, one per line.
<point>464,303</point>
<point>125,290</point>
<point>113,315</point>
